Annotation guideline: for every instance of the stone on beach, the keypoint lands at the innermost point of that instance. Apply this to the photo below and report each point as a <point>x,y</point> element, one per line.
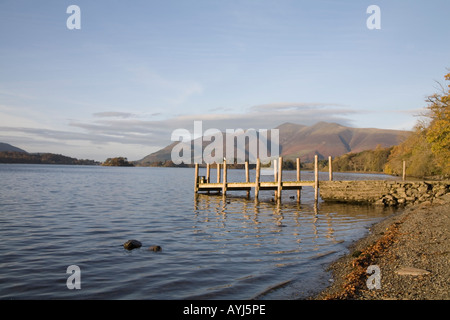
<point>132,244</point>
<point>410,271</point>
<point>421,242</point>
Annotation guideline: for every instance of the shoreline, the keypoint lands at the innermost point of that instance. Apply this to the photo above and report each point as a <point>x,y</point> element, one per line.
<point>416,237</point>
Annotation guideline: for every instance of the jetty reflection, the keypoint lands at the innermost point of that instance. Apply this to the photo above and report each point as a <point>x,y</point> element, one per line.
<point>313,220</point>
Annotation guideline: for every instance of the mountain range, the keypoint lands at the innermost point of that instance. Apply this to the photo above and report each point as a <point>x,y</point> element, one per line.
<point>323,138</point>
<point>8,147</point>
<point>295,140</point>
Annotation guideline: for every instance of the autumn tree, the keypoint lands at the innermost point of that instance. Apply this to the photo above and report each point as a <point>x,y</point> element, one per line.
<point>427,150</point>
<point>416,151</point>
<point>438,132</point>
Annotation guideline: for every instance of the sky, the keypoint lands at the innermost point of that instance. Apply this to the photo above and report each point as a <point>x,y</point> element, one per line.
<point>137,70</point>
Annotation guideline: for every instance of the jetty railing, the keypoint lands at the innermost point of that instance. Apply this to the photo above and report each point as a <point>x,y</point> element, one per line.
<point>203,183</point>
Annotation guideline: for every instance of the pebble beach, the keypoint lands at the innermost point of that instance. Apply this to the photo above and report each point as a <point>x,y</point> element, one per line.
<point>411,250</point>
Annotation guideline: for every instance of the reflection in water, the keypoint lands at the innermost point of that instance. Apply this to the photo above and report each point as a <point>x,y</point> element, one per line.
<point>288,236</point>
<point>213,247</point>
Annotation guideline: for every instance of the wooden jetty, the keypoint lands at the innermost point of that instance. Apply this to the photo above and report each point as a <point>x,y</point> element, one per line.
<point>204,184</point>
<point>371,191</point>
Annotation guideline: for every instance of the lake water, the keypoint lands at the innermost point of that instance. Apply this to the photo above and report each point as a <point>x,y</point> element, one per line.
<point>53,216</point>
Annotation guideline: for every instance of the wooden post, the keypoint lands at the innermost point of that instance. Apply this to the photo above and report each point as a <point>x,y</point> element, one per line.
<point>258,172</point>
<point>298,179</point>
<point>316,179</point>
<point>404,170</point>
<point>275,170</point>
<point>247,177</point>
<point>280,177</point>
<point>224,178</point>
<point>208,167</point>
<point>218,172</point>
<point>330,169</point>
<point>275,176</point>
<point>196,179</point>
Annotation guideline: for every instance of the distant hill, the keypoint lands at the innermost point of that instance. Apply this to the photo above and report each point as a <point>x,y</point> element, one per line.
<point>41,158</point>
<point>8,147</point>
<point>324,139</point>
<point>11,154</point>
<point>158,157</point>
<point>331,139</point>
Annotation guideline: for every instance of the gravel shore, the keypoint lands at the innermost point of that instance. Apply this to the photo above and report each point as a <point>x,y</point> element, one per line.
<point>411,251</point>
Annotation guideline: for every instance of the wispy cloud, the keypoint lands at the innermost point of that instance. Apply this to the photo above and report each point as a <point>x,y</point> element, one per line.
<point>115,128</point>
<point>158,132</point>
<point>113,114</point>
<point>289,106</point>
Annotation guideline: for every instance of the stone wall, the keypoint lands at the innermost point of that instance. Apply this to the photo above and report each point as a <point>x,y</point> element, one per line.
<point>390,193</point>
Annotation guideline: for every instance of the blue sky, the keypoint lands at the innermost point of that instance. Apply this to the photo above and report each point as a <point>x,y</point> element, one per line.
<point>138,70</point>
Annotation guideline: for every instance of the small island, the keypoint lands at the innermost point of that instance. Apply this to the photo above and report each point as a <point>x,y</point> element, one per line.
<point>117,162</point>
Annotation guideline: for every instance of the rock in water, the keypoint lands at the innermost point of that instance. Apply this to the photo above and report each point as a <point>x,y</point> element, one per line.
<point>132,244</point>
<point>154,248</point>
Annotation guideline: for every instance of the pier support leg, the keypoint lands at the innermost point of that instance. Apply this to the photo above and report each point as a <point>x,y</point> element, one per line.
<point>330,169</point>
<point>218,173</point>
<point>257,175</point>
<point>298,179</point>
<point>224,178</point>
<point>316,178</point>
<point>247,177</point>
<point>275,177</point>
<point>196,179</point>
<point>280,177</point>
<point>208,167</point>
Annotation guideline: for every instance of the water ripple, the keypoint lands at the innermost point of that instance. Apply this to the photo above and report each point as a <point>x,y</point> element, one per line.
<point>55,216</point>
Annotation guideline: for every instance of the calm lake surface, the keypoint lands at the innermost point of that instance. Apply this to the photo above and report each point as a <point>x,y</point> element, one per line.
<point>53,216</point>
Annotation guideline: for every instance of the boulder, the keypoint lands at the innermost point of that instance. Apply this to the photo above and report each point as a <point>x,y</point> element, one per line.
<point>155,248</point>
<point>132,244</point>
<point>440,193</point>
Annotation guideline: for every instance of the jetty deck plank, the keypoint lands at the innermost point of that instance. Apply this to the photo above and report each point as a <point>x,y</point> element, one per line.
<point>264,185</point>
